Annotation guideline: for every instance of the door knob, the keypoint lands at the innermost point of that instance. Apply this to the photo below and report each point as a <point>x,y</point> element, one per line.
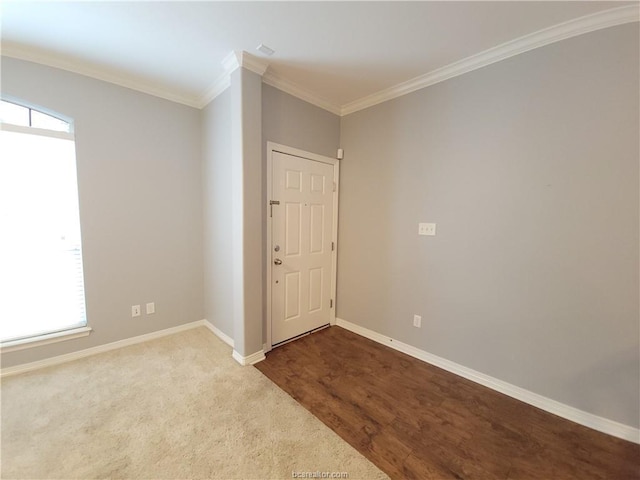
<point>277,261</point>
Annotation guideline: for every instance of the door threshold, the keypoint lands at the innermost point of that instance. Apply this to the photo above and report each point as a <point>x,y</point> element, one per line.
<point>300,336</point>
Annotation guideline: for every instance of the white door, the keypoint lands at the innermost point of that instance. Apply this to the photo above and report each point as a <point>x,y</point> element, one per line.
<point>301,245</point>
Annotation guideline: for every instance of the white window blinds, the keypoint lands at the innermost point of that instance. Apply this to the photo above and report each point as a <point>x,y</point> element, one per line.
<point>41,275</point>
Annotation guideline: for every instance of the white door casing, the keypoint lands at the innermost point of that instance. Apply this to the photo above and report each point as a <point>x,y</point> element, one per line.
<point>301,242</point>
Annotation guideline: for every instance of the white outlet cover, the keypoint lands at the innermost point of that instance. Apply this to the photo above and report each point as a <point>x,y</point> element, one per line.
<point>135,311</point>
<point>151,308</point>
<point>428,229</point>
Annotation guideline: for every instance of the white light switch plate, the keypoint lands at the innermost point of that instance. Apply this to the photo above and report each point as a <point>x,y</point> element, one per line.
<point>427,229</point>
<point>151,308</point>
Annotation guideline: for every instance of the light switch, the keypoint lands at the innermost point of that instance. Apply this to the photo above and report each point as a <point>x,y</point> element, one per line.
<point>427,229</point>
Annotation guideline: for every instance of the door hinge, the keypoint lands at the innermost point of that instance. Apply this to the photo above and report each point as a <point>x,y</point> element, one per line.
<point>334,186</point>
<point>333,246</point>
<point>271,204</point>
<point>331,303</point>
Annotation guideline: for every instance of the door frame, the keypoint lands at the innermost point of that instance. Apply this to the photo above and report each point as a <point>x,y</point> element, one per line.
<point>276,147</point>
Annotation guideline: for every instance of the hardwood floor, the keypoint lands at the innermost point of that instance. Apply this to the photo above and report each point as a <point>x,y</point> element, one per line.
<point>416,421</point>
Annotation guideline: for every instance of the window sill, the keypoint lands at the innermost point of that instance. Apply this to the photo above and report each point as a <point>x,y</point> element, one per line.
<point>14,345</point>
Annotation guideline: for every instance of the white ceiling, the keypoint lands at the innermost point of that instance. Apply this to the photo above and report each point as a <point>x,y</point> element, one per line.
<point>336,52</point>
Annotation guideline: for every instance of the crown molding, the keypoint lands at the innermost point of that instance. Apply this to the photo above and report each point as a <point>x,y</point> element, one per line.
<point>239,58</point>
<point>231,62</point>
<point>294,89</point>
<point>556,33</point>
<point>30,54</point>
<point>220,85</point>
<point>254,64</point>
<point>234,60</point>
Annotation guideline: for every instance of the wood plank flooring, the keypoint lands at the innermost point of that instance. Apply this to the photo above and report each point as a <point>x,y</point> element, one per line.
<point>416,421</point>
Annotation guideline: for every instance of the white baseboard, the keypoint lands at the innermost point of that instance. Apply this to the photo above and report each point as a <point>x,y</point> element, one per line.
<point>250,360</point>
<point>219,333</point>
<point>69,357</point>
<point>581,417</point>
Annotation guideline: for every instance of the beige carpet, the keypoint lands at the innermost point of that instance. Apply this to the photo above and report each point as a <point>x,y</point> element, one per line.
<point>177,407</point>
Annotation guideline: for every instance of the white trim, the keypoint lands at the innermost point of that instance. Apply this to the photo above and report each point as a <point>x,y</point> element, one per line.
<point>562,31</point>
<point>249,360</point>
<point>231,62</point>
<point>234,60</point>
<point>239,58</point>
<point>219,86</point>
<point>10,127</point>
<point>581,417</point>
<point>46,339</point>
<point>122,79</point>
<point>49,362</point>
<point>267,240</point>
<point>253,63</point>
<point>39,108</point>
<point>287,86</point>
<point>334,239</point>
<point>276,147</point>
<point>219,333</point>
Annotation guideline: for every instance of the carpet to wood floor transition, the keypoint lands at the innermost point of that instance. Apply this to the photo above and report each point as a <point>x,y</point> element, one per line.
<point>174,408</point>
<point>416,421</point>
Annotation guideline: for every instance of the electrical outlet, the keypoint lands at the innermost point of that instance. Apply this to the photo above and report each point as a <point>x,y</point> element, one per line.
<point>135,311</point>
<point>417,321</point>
<point>428,229</point>
<point>151,308</point>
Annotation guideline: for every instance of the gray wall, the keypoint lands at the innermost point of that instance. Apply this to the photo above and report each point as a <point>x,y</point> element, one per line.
<point>289,121</point>
<point>139,181</point>
<point>217,198</point>
<point>529,167</point>
<point>286,120</point>
<point>246,134</point>
<point>295,123</point>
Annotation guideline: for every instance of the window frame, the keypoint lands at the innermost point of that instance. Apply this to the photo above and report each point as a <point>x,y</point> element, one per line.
<point>56,335</point>
<point>40,110</point>
<point>45,339</point>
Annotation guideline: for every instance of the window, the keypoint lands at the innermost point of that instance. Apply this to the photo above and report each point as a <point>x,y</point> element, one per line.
<point>41,275</point>
<point>27,117</point>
